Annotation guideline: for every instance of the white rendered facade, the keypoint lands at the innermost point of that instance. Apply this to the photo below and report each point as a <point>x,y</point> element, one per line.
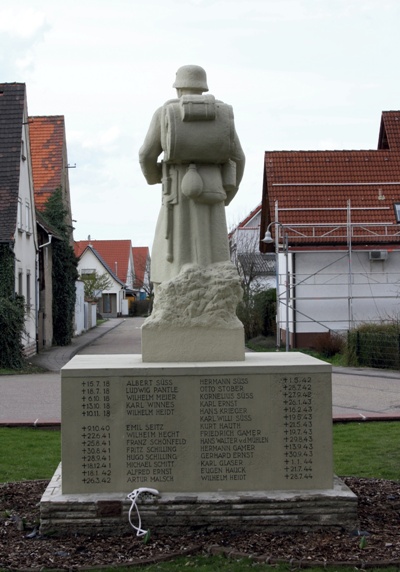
<point>25,246</point>
<point>112,298</point>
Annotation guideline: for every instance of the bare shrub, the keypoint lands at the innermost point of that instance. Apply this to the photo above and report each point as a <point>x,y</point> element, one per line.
<point>329,344</point>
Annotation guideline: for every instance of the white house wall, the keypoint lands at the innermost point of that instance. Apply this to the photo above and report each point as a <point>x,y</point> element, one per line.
<point>131,271</point>
<point>333,295</point>
<point>25,247</point>
<point>89,261</point>
<point>79,315</point>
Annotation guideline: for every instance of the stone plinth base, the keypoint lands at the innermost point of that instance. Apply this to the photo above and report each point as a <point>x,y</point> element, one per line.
<point>244,445</point>
<point>178,513</point>
<point>166,344</point>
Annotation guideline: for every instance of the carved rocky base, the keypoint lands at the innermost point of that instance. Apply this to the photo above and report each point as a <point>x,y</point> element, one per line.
<point>194,317</point>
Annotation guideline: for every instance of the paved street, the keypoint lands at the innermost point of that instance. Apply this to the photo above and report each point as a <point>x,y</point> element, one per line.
<point>358,394</point>
<point>365,392</point>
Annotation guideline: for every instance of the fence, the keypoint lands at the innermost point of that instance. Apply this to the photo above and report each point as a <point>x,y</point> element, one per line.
<point>379,348</point>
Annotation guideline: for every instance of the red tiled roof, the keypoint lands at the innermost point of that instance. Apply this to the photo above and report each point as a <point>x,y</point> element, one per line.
<point>140,255</point>
<point>315,188</point>
<point>245,221</point>
<point>251,215</point>
<point>389,134</point>
<point>47,136</point>
<point>115,253</point>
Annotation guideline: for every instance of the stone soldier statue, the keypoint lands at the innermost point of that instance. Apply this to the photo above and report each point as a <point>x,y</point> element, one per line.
<point>200,172</point>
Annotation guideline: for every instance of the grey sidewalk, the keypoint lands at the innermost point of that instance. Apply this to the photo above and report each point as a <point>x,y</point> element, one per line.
<point>56,357</point>
<point>36,399</point>
<point>358,394</point>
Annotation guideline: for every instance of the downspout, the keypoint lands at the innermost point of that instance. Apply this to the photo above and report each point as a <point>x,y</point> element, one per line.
<point>37,289</point>
<point>11,248</point>
<point>350,267</point>
<point>46,243</point>
<point>37,299</point>
<point>294,317</point>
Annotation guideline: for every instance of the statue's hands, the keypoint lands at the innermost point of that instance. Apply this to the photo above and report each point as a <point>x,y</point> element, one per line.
<point>154,175</point>
<point>159,172</point>
<point>229,195</point>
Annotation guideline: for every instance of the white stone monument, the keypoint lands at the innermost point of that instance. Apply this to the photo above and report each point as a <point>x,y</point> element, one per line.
<point>197,288</point>
<point>227,439</point>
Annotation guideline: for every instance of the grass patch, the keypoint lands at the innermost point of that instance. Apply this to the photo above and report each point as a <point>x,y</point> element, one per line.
<point>367,449</point>
<point>268,344</point>
<point>203,563</point>
<point>28,368</point>
<point>28,454</point>
<point>262,344</point>
<point>360,449</point>
<point>217,563</point>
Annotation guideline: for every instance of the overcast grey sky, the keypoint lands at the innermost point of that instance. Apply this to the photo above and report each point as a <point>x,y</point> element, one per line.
<point>300,74</point>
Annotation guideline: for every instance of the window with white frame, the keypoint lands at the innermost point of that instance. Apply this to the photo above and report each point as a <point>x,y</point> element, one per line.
<point>20,283</point>
<point>28,217</point>
<point>397,211</point>
<point>28,289</point>
<point>19,215</point>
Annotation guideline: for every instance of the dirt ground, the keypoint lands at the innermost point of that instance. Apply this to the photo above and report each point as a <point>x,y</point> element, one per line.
<point>376,543</point>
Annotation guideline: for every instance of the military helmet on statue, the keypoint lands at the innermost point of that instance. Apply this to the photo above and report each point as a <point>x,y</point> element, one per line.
<point>191,77</point>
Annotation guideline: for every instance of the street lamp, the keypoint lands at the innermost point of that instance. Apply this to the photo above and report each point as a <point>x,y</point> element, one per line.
<point>268,240</point>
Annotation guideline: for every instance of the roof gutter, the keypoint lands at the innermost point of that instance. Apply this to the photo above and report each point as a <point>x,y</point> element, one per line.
<point>333,184</point>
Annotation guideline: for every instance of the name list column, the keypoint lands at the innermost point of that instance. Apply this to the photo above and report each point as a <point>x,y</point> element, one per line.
<point>154,440</point>
<point>230,434</point>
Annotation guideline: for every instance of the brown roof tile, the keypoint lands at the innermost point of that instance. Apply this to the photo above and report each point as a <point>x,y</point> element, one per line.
<point>389,135</point>
<point>47,137</point>
<point>115,253</point>
<point>314,188</point>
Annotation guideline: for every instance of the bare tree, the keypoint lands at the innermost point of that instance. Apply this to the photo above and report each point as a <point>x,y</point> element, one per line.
<point>95,284</point>
<point>255,270</point>
<point>141,276</point>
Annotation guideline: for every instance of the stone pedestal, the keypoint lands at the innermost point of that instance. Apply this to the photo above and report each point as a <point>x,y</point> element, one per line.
<point>244,431</point>
<point>166,344</point>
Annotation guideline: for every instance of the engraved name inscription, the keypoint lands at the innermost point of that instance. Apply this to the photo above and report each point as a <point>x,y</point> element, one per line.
<point>229,433</point>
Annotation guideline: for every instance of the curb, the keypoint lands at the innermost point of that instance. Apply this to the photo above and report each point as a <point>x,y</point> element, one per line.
<point>97,337</point>
<point>360,418</point>
<point>87,339</point>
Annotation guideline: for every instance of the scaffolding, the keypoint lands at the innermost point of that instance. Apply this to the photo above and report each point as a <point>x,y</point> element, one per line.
<point>348,240</point>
